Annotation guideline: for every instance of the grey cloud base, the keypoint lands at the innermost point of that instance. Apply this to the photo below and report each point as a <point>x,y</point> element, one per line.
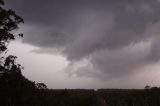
<point>116,37</point>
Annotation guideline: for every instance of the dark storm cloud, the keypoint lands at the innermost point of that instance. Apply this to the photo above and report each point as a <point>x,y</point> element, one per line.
<point>116,36</point>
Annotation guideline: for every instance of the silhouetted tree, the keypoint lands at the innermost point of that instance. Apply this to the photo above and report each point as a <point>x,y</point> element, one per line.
<point>16,90</point>
<point>9,21</point>
<point>12,82</point>
<point>147,87</point>
<point>41,86</point>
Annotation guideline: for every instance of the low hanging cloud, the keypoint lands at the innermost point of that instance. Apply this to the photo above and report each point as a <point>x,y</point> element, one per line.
<point>116,37</point>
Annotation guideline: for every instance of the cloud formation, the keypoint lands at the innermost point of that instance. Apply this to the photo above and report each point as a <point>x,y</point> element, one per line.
<point>116,37</point>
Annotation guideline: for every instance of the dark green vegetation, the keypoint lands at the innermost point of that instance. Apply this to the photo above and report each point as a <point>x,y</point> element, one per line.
<point>106,97</point>
<point>146,97</point>
<point>16,90</point>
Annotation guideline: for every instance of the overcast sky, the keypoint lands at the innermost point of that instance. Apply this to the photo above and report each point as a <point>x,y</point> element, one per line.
<point>89,43</point>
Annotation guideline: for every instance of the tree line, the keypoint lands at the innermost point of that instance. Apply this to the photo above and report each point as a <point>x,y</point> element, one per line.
<point>17,90</point>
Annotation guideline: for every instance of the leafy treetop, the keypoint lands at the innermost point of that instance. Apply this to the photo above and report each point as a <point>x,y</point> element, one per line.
<point>9,21</point>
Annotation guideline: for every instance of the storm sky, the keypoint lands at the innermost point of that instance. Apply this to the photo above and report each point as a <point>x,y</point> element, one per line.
<point>89,43</point>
